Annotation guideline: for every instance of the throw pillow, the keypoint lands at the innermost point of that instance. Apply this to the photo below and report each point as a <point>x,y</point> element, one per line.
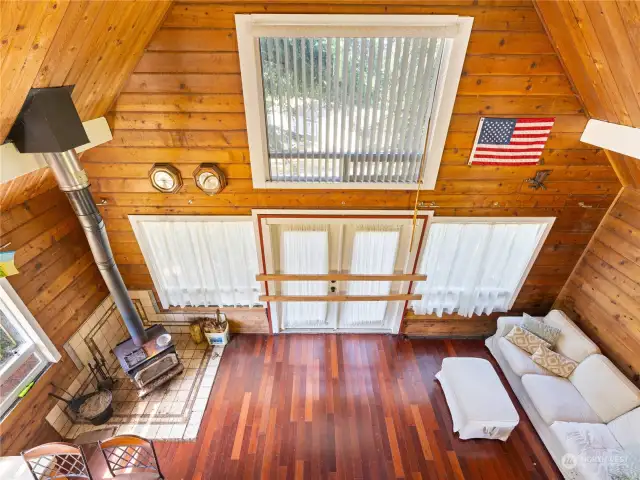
<point>540,329</point>
<point>554,362</point>
<point>524,339</point>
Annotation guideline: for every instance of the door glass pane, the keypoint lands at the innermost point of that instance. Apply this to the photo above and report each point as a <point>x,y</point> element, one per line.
<point>374,252</point>
<point>305,251</point>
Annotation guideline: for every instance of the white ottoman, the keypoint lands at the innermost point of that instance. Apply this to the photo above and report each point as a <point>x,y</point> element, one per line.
<point>479,404</point>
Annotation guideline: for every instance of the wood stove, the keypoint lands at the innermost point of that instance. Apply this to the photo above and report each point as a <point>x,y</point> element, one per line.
<point>150,364</point>
<point>49,124</point>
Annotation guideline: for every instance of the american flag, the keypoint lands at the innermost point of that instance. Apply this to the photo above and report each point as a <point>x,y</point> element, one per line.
<point>510,141</point>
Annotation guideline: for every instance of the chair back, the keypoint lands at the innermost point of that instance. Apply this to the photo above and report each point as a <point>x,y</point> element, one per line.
<point>57,460</point>
<point>130,454</point>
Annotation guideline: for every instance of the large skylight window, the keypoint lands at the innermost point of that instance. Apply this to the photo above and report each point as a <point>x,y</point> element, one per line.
<point>342,101</point>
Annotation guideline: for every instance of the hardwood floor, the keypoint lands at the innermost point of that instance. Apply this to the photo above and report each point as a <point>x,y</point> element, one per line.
<point>343,407</point>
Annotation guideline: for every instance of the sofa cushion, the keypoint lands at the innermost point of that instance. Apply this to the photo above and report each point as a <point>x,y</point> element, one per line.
<point>608,392</point>
<point>572,342</point>
<point>626,429</point>
<point>554,362</point>
<point>524,339</point>
<point>557,400</point>
<point>519,360</point>
<point>597,453</point>
<point>540,329</point>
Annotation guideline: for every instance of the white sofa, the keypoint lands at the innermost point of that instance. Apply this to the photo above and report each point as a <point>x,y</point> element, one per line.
<point>594,415</point>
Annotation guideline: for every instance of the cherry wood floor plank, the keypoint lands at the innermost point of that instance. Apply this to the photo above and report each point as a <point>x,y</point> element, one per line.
<point>344,407</point>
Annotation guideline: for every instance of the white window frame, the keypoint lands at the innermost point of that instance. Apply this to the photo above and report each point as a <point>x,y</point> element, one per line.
<point>15,308</point>
<point>136,220</point>
<point>250,28</point>
<point>549,221</point>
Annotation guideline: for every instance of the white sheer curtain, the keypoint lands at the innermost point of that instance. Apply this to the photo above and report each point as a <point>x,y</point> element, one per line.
<point>474,268</point>
<point>374,252</point>
<point>305,250</point>
<point>202,262</point>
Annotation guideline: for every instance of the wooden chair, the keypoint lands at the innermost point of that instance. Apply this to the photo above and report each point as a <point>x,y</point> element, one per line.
<point>57,460</point>
<point>130,456</point>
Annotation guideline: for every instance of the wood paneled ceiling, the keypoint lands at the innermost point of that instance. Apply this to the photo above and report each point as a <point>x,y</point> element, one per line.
<point>599,44</point>
<point>92,44</point>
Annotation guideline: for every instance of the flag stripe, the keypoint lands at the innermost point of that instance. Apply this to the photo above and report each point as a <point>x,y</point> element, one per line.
<point>544,132</point>
<point>536,138</point>
<point>512,148</point>
<point>509,162</point>
<point>507,157</point>
<point>534,126</point>
<point>526,142</point>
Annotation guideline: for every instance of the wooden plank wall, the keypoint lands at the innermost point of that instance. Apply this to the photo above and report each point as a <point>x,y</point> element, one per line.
<point>603,293</point>
<point>183,104</point>
<point>599,43</point>
<point>61,285</point>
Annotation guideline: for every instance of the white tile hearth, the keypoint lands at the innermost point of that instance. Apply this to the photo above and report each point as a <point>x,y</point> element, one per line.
<point>179,404</point>
<point>172,412</point>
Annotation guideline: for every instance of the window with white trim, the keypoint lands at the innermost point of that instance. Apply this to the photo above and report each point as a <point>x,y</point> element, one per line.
<point>25,351</point>
<point>200,260</point>
<point>349,101</point>
<point>477,266</point>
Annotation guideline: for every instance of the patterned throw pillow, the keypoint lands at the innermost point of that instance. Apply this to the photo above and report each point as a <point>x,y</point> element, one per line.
<point>527,341</point>
<point>540,329</point>
<point>554,362</point>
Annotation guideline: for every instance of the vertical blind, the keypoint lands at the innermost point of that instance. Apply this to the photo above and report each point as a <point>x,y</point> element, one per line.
<point>474,268</point>
<point>202,263</point>
<point>348,109</point>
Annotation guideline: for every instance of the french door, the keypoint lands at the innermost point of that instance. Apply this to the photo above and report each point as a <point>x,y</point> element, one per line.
<point>340,246</point>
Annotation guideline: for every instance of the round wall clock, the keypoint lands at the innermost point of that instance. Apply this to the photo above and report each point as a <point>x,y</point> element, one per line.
<point>165,178</point>
<point>209,178</point>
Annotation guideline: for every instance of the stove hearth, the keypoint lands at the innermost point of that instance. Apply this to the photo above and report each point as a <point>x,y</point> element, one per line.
<point>150,365</point>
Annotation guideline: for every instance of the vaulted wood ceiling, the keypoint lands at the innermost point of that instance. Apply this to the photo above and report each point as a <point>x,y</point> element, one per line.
<point>92,44</point>
<point>599,45</point>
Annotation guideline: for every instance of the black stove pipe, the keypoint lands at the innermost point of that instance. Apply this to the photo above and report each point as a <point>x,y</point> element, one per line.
<point>49,124</point>
<point>73,181</point>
